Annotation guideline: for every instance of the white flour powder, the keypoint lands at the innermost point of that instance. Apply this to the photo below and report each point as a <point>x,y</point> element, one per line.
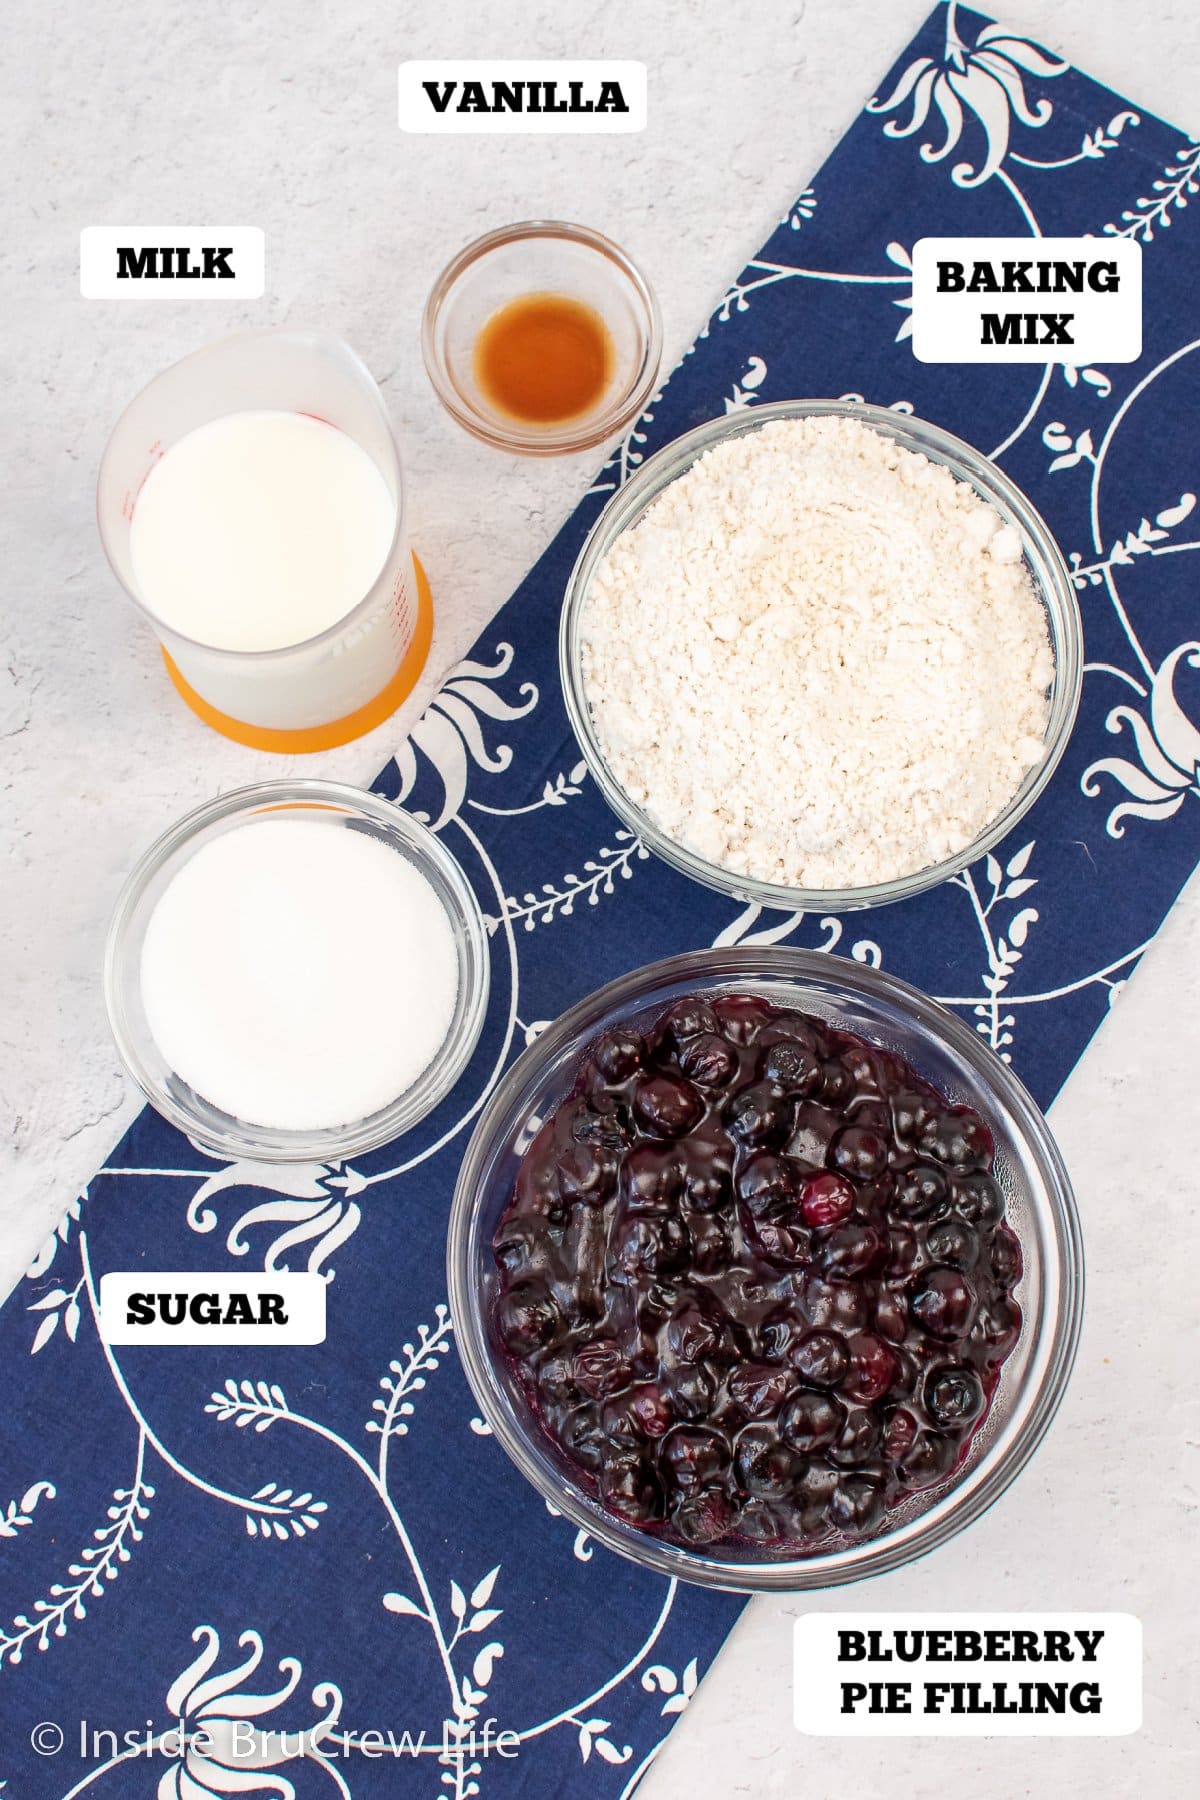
<point>298,974</point>
<point>818,659</point>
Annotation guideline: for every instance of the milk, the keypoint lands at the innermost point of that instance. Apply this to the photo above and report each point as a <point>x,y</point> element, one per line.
<point>259,530</point>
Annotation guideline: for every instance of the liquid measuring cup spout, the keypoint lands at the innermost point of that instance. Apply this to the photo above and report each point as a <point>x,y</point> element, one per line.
<point>251,504</point>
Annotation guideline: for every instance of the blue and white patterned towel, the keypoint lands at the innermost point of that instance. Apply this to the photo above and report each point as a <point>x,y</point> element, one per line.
<point>361,1549</point>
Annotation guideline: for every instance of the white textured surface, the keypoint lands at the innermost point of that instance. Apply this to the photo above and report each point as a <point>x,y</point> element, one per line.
<point>284,117</point>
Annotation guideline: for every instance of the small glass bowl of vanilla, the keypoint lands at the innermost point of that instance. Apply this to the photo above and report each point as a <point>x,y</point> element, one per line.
<point>543,337</point>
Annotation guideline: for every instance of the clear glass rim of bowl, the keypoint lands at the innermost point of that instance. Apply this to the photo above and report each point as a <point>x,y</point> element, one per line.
<point>1042,555</point>
<point>590,429</point>
<point>331,345</point>
<point>238,1138</point>
<point>1061,1273</point>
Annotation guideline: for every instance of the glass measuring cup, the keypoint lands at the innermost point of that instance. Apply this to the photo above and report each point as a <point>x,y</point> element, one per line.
<point>348,678</point>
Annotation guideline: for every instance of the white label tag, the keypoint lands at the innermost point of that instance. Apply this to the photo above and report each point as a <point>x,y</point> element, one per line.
<point>968,1674</point>
<point>519,95</point>
<point>165,262</point>
<point>198,1307</point>
<point>1022,300</point>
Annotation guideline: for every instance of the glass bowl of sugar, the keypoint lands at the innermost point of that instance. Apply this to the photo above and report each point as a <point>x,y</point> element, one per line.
<point>296,971</point>
<point>820,655</point>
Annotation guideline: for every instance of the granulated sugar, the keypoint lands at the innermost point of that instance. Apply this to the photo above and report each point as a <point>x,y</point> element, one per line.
<point>299,974</point>
<point>818,659</point>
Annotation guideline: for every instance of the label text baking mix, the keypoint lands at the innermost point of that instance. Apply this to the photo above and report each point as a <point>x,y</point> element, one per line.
<point>1073,300</point>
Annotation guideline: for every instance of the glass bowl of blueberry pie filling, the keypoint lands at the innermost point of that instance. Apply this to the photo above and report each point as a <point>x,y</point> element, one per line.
<point>765,1269</point>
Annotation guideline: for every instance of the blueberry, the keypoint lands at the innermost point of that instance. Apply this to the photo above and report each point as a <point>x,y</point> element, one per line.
<point>953,1397</point>
<point>764,1466</point>
<point>528,1318</point>
<point>757,1116</point>
<point>555,1382</point>
<point>692,1456</point>
<point>652,1179</point>
<point>759,1389</point>
<point>711,1246</point>
<point>761,1523</point>
<point>912,1113</point>
<point>618,1423</point>
<point>856,1505</point>
<point>521,1246</point>
<point>770,1187</point>
<point>599,1369</point>
<point>840,1305</point>
<point>692,1389</point>
<point>703,1516</point>
<point>837,1083</point>
<point>694,1330</point>
<point>858,1152</point>
<point>707,1169</point>
<point>891,1315</point>
<point>929,1458</point>
<point>787,1246</point>
<point>903,1251</point>
<point>793,1067</point>
<point>629,1488</point>
<point>602,1121</point>
<point>742,1016</point>
<point>814,1130</point>
<point>978,1199</point>
<point>582,1437</point>
<point>536,1192</point>
<point>708,1060</point>
<point>666,1105</point>
<point>810,1421</point>
<point>942,1302</point>
<point>821,1358</point>
<point>870,1115</point>
<point>826,1200</point>
<point>1006,1257</point>
<point>858,1438</point>
<point>898,1435</point>
<point>812,1490</point>
<point>618,1054</point>
<point>688,1019</point>
<point>780,1331</point>
<point>872,1368</point>
<point>850,1251</point>
<point>919,1188</point>
<point>959,1138</point>
<point>861,1064</point>
<point>587,1172</point>
<point>953,1243</point>
<point>650,1409</point>
<point>999,1326</point>
<point>647,1246</point>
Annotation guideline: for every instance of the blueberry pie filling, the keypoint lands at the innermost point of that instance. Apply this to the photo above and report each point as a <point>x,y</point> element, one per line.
<point>755,1278</point>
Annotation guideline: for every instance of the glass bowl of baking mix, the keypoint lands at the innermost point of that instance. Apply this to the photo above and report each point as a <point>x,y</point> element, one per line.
<point>764,1269</point>
<point>820,654</point>
<point>296,971</point>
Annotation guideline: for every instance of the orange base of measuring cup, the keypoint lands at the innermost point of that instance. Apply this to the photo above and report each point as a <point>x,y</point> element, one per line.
<point>338,731</point>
